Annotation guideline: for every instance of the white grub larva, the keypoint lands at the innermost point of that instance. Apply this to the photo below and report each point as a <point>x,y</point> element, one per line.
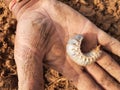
<point>73,49</point>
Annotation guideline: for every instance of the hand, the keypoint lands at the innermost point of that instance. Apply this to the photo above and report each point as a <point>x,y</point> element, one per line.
<point>99,75</point>
<point>42,33</point>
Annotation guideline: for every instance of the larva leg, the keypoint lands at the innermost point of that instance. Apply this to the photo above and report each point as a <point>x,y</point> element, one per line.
<point>73,49</point>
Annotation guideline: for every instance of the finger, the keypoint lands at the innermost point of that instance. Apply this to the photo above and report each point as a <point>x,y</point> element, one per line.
<point>75,73</point>
<point>84,80</point>
<point>102,77</point>
<point>110,66</point>
<point>109,42</point>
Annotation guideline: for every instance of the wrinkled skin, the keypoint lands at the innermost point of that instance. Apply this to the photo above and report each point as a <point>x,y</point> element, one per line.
<point>44,27</point>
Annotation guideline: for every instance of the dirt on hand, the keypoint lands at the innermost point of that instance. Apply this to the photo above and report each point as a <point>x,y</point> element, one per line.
<point>103,13</point>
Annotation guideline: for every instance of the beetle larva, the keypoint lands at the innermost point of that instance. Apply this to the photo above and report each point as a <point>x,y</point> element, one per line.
<point>73,49</point>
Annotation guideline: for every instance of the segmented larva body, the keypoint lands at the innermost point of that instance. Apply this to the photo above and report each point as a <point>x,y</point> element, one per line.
<point>73,49</point>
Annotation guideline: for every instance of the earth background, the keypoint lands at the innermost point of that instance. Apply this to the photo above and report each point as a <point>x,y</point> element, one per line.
<point>103,13</point>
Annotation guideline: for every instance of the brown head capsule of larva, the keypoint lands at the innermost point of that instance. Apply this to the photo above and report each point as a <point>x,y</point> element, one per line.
<point>73,49</point>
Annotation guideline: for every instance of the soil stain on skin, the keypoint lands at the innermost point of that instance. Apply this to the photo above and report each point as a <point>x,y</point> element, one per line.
<point>103,13</point>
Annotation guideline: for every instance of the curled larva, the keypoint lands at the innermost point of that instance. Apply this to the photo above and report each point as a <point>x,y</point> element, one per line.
<point>73,49</point>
